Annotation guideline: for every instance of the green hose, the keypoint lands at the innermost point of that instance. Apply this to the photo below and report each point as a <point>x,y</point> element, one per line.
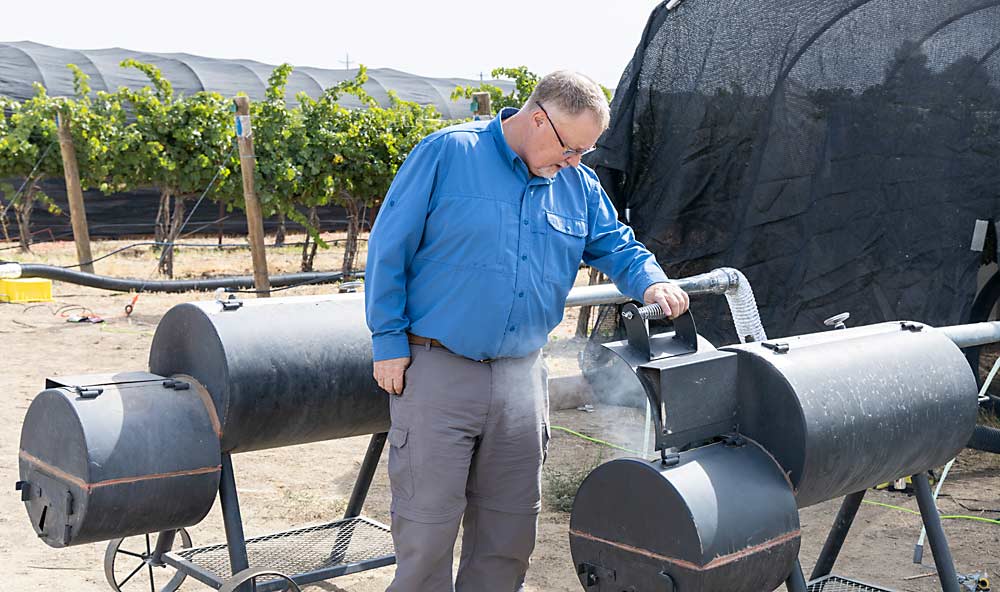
<point>943,517</point>
<point>595,440</point>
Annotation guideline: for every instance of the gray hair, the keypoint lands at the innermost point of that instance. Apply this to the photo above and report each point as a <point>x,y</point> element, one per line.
<point>572,93</point>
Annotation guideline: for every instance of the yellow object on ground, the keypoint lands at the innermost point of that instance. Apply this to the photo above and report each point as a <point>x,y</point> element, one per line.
<point>26,290</point>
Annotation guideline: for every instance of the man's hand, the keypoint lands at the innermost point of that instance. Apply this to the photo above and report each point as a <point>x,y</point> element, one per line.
<point>671,299</point>
<point>389,374</point>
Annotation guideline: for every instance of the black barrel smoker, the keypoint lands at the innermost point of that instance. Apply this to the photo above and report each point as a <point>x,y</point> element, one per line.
<point>109,456</point>
<point>748,434</point>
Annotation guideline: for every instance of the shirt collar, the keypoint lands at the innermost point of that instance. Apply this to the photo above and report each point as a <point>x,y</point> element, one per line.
<point>497,129</point>
<point>508,154</point>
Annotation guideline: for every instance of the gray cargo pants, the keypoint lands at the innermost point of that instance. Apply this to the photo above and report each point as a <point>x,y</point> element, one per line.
<point>466,438</point>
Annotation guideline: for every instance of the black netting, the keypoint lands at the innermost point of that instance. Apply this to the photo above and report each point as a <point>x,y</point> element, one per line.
<point>838,153</point>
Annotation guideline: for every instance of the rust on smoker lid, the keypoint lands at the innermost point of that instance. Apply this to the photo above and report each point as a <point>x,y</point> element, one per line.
<point>713,564</point>
<point>79,482</point>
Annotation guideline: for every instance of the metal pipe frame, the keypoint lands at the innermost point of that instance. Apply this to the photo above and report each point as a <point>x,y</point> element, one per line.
<point>720,280</point>
<point>164,541</point>
<point>357,501</point>
<point>838,533</point>
<point>796,582</point>
<point>973,334</point>
<point>717,281</point>
<point>368,467</point>
<point>236,543</point>
<point>935,534</point>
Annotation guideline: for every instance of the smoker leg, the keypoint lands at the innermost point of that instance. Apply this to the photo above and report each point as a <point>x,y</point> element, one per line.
<point>232,521</point>
<point>357,501</point>
<point>935,534</point>
<point>838,533</point>
<point>364,482</point>
<point>796,582</point>
<point>164,542</point>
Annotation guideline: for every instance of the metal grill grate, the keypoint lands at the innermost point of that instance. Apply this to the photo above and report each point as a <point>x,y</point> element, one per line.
<point>839,584</point>
<point>344,546</point>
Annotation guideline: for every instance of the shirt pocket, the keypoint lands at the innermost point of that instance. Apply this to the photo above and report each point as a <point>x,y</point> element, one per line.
<point>565,238</point>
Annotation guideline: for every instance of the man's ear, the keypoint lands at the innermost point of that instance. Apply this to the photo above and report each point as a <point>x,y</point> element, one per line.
<point>538,118</point>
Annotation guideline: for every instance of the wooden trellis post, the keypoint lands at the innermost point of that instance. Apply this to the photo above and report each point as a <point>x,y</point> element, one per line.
<point>255,221</point>
<point>77,212</point>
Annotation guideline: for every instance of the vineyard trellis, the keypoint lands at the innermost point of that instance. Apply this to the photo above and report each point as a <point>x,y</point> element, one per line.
<point>314,154</point>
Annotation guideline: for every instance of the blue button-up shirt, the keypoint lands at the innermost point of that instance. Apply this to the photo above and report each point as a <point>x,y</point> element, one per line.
<point>471,249</point>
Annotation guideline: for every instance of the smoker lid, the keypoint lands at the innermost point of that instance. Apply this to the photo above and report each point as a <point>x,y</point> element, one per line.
<point>691,512</point>
<point>95,434</point>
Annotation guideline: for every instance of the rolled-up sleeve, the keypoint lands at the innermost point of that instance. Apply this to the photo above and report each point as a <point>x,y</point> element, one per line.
<point>391,246</point>
<point>613,249</point>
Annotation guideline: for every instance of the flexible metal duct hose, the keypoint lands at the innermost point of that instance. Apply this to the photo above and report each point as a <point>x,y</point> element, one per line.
<point>986,439</point>
<point>743,306</point>
<point>739,295</point>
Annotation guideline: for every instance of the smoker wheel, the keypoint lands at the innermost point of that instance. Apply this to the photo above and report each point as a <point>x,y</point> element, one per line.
<point>127,566</point>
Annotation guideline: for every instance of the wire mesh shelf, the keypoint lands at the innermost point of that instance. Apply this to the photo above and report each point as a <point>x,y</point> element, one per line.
<point>314,553</point>
<point>841,584</point>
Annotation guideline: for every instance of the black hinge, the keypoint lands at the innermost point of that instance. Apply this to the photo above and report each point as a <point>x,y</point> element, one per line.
<point>25,488</point>
<point>592,575</point>
<point>776,347</point>
<point>911,326</point>
<point>177,385</point>
<point>734,440</point>
<point>88,392</point>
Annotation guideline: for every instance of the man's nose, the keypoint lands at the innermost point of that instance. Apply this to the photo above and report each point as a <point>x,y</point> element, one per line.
<point>573,160</point>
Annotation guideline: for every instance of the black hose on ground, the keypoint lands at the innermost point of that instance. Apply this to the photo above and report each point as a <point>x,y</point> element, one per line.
<point>986,439</point>
<point>32,270</point>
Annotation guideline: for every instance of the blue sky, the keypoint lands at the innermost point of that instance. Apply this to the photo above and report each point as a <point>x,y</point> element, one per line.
<point>430,38</point>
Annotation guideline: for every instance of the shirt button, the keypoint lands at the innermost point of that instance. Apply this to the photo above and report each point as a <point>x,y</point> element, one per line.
<point>525,222</point>
<point>524,257</point>
<point>513,328</point>
<point>520,294</point>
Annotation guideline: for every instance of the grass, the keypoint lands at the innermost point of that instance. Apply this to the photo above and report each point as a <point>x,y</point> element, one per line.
<point>561,485</point>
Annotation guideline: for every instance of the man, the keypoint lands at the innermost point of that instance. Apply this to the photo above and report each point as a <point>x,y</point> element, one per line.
<point>469,264</point>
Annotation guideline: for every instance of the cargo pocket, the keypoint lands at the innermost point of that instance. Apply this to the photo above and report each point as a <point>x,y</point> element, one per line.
<point>400,471</point>
<point>564,242</point>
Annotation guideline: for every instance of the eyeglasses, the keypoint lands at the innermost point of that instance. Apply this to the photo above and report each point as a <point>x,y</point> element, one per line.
<point>567,151</point>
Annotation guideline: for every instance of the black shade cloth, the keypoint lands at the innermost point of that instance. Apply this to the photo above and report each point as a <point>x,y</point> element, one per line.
<point>838,153</point>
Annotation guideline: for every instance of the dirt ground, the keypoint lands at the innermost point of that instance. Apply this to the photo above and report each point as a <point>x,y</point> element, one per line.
<point>310,484</point>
